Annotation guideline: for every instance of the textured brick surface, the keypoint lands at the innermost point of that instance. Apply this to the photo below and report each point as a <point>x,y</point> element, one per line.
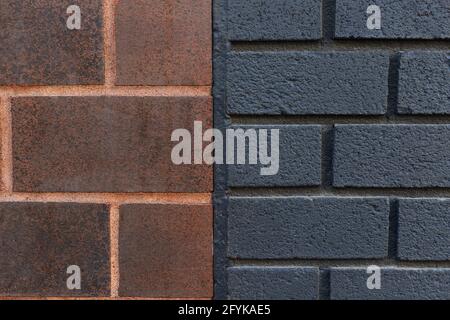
<point>424,84</point>
<point>392,156</point>
<point>37,48</point>
<point>165,250</point>
<point>298,227</point>
<point>274,20</point>
<point>401,19</point>
<point>299,162</point>
<point>423,229</point>
<point>39,241</point>
<point>163,42</point>
<point>104,144</point>
<point>307,83</point>
<point>396,284</point>
<point>277,283</point>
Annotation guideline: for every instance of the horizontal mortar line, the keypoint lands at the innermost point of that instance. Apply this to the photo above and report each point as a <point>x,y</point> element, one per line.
<point>345,119</point>
<point>345,192</point>
<point>138,91</point>
<point>330,263</point>
<point>110,198</point>
<point>97,298</point>
<point>341,45</point>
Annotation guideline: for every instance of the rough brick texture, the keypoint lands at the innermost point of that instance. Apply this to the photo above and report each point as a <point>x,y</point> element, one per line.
<point>39,241</point>
<point>423,229</point>
<point>364,167</point>
<point>163,42</point>
<point>274,20</point>
<point>104,144</point>
<point>401,19</point>
<point>392,156</point>
<point>37,48</point>
<point>424,83</point>
<point>307,83</point>
<point>280,283</point>
<point>396,284</point>
<point>91,92</point>
<point>165,251</point>
<point>268,228</point>
<point>299,162</point>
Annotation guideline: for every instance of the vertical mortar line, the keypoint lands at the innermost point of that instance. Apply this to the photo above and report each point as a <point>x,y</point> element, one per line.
<point>393,228</point>
<point>109,7</point>
<point>324,284</point>
<point>114,249</point>
<point>393,82</point>
<point>6,144</point>
<point>328,21</point>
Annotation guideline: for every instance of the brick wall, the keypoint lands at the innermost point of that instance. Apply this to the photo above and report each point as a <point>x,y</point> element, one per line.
<point>364,149</point>
<point>87,177</point>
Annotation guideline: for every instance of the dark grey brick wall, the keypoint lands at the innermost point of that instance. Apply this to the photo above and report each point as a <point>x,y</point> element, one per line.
<point>307,83</point>
<point>396,284</point>
<point>274,20</point>
<point>268,283</point>
<point>423,229</point>
<point>315,228</point>
<point>424,86</point>
<point>364,130</point>
<point>400,19</point>
<point>300,152</point>
<point>391,156</point>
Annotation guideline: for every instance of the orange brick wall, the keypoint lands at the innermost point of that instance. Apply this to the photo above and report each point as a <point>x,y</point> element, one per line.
<point>86,173</point>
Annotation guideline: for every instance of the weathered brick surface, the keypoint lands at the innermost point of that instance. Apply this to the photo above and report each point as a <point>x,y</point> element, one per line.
<point>423,229</point>
<point>39,241</point>
<point>37,48</point>
<point>299,159</point>
<point>274,20</point>
<point>279,283</point>
<point>165,251</point>
<point>401,19</point>
<point>105,144</point>
<point>307,83</point>
<point>396,284</point>
<point>163,42</point>
<point>299,227</point>
<point>392,156</point>
<point>424,82</point>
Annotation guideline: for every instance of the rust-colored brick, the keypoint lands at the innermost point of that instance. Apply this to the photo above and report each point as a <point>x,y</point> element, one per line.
<point>105,144</point>
<point>166,251</point>
<point>163,42</point>
<point>37,48</point>
<point>39,241</point>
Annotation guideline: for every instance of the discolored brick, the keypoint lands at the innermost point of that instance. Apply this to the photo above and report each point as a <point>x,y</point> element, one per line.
<point>105,144</point>
<point>39,241</point>
<point>37,48</point>
<point>165,251</point>
<point>164,42</point>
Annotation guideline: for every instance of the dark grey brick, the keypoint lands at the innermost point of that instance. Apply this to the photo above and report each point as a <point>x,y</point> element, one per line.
<point>301,227</point>
<point>274,20</point>
<point>396,284</point>
<point>307,83</point>
<point>274,283</point>
<point>299,163</point>
<point>424,83</point>
<point>400,19</point>
<point>392,156</point>
<point>423,229</point>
